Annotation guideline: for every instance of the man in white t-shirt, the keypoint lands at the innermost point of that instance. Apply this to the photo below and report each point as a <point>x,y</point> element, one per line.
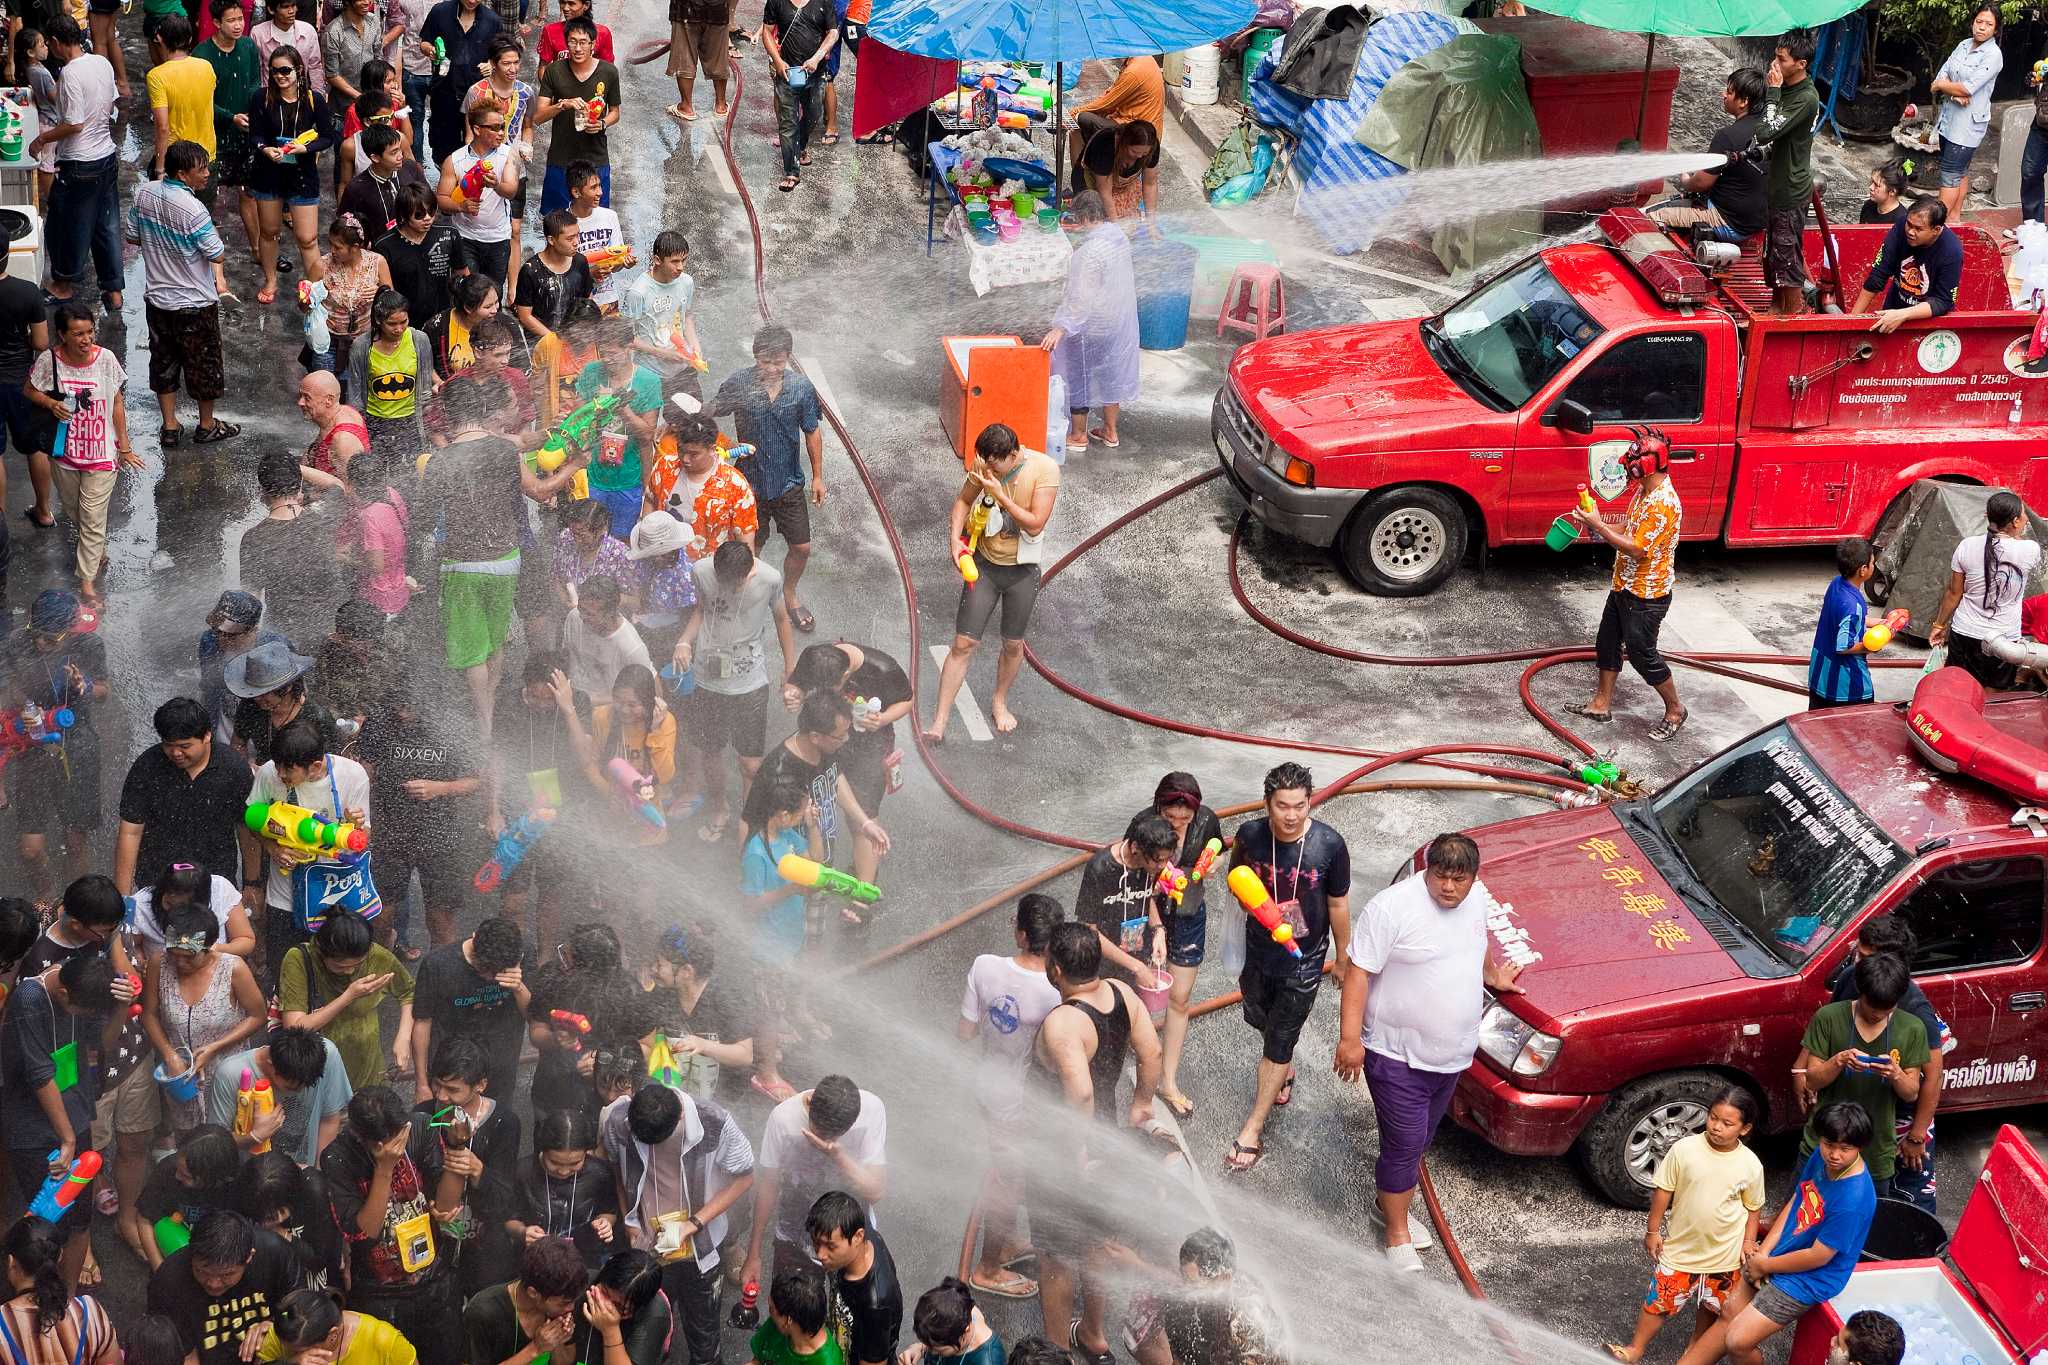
<point>599,640</point>
<point>832,1137</point>
<point>1415,979</point>
<point>1007,999</point>
<point>659,304</point>
<point>300,773</point>
<point>85,202</point>
<point>597,230</point>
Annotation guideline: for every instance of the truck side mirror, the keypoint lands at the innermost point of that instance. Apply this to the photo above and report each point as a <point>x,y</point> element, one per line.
<point>1573,416</point>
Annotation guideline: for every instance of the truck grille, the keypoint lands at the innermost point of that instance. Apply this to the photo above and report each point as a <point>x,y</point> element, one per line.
<point>1243,430</point>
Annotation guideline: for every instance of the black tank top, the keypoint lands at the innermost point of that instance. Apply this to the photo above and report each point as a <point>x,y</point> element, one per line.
<point>1112,1043</point>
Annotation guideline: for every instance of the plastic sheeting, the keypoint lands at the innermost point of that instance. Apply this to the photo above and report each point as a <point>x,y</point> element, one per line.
<point>1461,105</point>
<point>1054,30</point>
<point>1701,18</point>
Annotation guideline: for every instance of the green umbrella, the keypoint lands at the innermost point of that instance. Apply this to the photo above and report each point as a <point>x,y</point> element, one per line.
<point>1696,19</point>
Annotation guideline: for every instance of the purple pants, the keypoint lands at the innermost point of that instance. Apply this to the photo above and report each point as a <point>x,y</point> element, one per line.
<point>1409,1104</point>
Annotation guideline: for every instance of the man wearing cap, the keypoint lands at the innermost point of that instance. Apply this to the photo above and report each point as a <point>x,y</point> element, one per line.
<point>56,664</point>
<point>288,556</point>
<point>182,799</point>
<point>231,629</point>
<point>270,681</point>
<point>664,587</point>
<point>711,498</point>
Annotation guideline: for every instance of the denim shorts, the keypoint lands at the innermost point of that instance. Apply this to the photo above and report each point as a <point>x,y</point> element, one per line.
<point>1955,163</point>
<point>1187,937</point>
<point>297,201</point>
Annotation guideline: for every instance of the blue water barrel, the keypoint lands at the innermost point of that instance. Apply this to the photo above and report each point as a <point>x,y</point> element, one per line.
<point>1165,279</point>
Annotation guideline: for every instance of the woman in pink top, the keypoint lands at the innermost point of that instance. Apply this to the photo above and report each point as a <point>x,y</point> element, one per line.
<point>374,536</point>
<point>353,274</point>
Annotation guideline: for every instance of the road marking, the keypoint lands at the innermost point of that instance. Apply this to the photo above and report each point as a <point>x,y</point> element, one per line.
<point>1713,630</point>
<point>965,704</point>
<point>1412,281</point>
<point>715,151</point>
<point>1395,309</point>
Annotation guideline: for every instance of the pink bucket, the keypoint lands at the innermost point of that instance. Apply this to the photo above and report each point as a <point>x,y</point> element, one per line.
<point>1155,998</point>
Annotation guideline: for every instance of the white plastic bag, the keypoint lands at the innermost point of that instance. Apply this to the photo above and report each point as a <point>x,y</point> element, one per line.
<point>1056,419</point>
<point>1937,659</point>
<point>1233,938</point>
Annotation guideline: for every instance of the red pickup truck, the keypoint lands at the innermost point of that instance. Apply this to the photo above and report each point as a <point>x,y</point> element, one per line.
<point>1403,442</point>
<point>1677,943</point>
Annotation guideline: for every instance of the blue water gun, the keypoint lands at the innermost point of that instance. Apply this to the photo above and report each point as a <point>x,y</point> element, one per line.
<point>511,849</point>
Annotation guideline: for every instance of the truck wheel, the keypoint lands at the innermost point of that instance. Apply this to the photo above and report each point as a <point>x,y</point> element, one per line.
<point>1621,1148</point>
<point>1405,542</point>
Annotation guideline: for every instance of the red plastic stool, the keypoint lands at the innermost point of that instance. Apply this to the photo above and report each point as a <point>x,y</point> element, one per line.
<point>1255,301</point>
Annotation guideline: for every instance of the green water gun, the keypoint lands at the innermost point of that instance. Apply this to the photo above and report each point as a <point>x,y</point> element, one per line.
<point>577,429</point>
<point>440,56</point>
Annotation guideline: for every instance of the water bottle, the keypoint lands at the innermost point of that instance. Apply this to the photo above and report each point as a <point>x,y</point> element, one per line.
<point>746,1314</point>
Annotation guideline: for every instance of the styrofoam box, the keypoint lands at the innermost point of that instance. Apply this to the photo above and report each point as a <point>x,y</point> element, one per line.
<point>1922,1285</point>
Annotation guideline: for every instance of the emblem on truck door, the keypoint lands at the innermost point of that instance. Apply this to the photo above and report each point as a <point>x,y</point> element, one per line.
<point>1939,351</point>
<point>1604,470</point>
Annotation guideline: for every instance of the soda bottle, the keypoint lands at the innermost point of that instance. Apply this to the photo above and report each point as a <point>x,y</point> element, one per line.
<point>746,1314</point>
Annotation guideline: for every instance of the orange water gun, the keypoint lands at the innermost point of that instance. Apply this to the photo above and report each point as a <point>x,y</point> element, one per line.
<point>683,348</point>
<point>1260,905</point>
<point>606,259</point>
<point>1211,851</point>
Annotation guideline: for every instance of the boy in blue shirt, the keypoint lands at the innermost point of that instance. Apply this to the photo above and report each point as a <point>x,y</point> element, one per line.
<point>1811,1248</point>
<point>1838,674</point>
<point>775,903</point>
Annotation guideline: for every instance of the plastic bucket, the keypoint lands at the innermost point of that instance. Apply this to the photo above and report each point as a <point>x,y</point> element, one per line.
<point>1903,1232</point>
<point>1561,534</point>
<point>172,1235</point>
<point>1165,274</point>
<point>1154,996</point>
<point>182,1088</point>
<point>1048,220</point>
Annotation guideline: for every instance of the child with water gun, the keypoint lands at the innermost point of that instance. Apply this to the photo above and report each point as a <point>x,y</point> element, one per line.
<point>1838,672</point>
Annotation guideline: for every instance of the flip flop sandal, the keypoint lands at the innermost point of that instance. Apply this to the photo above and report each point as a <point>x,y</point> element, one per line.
<point>30,514</point>
<point>1013,1286</point>
<point>715,831</point>
<point>832,138</point>
<point>1183,1108</point>
<point>802,619</point>
<point>676,111</point>
<point>170,436</point>
<point>788,183</point>
<point>777,1091</point>
<point>1095,435</point>
<point>1286,1095</point>
<point>1667,730</point>
<point>1238,1149</point>
<point>219,431</point>
<point>1082,1353</point>
<point>1597,717</point>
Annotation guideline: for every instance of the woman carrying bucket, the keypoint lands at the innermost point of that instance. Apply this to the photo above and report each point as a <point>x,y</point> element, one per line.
<point>1094,336</point>
<point>198,1004</point>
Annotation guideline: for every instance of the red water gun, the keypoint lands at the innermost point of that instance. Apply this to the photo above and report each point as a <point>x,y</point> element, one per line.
<point>578,1024</point>
<point>1211,851</point>
<point>476,180</point>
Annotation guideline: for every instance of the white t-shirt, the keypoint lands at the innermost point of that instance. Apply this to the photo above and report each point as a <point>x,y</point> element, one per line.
<point>1428,968</point>
<point>344,776</point>
<point>2017,560</point>
<point>493,219</point>
<point>595,660</point>
<point>805,1172</point>
<point>85,96</point>
<point>600,230</point>
<point>1008,1003</point>
<point>89,440</point>
<point>657,311</point>
<point>142,921</point>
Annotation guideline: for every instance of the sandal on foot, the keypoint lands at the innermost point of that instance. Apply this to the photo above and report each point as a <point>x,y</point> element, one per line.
<point>1666,730</point>
<point>1082,1353</point>
<point>1095,435</point>
<point>832,138</point>
<point>170,436</point>
<point>1286,1095</point>
<point>801,618</point>
<point>1233,1165</point>
<point>676,111</point>
<point>1010,1285</point>
<point>1597,717</point>
<point>715,831</point>
<point>36,521</point>
<point>788,183</point>
<point>774,1090</point>
<point>219,431</point>
<point>1622,1354</point>
<point>266,297</point>
<point>1183,1108</point>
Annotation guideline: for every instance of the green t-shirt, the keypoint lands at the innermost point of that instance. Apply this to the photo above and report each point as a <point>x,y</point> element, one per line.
<point>645,396</point>
<point>770,1347</point>
<point>1787,128</point>
<point>355,1032</point>
<point>1833,1028</point>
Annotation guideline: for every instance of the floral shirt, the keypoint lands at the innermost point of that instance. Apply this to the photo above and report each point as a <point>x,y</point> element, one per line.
<point>724,508</point>
<point>670,589</point>
<point>1653,522</point>
<point>610,561</point>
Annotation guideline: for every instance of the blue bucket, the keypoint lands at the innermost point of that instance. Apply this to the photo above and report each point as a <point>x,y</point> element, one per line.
<point>1165,278</point>
<point>182,1088</point>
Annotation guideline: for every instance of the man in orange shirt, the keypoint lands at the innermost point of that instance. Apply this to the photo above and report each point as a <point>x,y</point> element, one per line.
<point>1640,593</point>
<point>1138,92</point>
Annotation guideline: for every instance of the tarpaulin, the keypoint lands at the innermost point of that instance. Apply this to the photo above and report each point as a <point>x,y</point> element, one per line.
<point>889,84</point>
<point>1054,30</point>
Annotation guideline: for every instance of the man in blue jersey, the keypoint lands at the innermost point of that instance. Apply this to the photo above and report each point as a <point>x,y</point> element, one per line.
<point>1838,674</point>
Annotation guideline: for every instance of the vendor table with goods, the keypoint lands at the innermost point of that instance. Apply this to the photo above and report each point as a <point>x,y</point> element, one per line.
<point>999,194</point>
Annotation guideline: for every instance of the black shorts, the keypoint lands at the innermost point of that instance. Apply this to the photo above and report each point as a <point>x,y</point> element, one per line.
<point>1629,625</point>
<point>866,775</point>
<point>186,341</point>
<point>444,872</point>
<point>27,426</point>
<point>1014,587</point>
<point>1993,673</point>
<point>1785,248</point>
<point>712,720</point>
<point>790,514</point>
<point>57,788</point>
<point>1276,1007</point>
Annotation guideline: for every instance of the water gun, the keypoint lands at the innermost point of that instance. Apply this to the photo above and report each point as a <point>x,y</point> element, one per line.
<point>1881,632</point>
<point>135,1002</point>
<point>252,1097</point>
<point>2041,71</point>
<point>298,828</point>
<point>1251,893</point>
<point>809,872</point>
<point>605,260</point>
<point>636,789</point>
<point>1172,884</point>
<point>1211,851</point>
<point>661,1063</point>
<point>511,849</point>
<point>1586,502</point>
<point>1866,1058</point>
<point>440,56</point>
<point>1015,122</point>
<point>594,107</point>
<point>60,1192</point>
<point>578,1024</point>
<point>730,452</point>
<point>294,145</point>
<point>696,359</point>
<point>977,522</point>
<point>33,725</point>
<point>579,428</point>
<point>476,180</point>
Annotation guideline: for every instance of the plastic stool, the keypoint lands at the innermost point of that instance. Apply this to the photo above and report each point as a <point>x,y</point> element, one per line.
<point>1254,301</point>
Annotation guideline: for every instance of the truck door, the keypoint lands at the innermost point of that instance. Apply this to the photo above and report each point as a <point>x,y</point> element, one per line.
<point>1977,928</point>
<point>1656,378</point>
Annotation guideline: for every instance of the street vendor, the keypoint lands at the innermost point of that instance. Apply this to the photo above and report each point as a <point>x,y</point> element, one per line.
<point>1120,162</point>
<point>1137,93</point>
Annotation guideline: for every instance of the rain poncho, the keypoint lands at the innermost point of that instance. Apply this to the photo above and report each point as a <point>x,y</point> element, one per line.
<point>1097,354</point>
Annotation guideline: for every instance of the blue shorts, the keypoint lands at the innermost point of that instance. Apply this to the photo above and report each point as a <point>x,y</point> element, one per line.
<point>1955,163</point>
<point>624,504</point>
<point>297,201</point>
<point>1187,937</point>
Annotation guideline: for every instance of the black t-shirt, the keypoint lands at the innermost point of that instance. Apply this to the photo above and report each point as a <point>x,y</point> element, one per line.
<point>1204,827</point>
<point>450,994</point>
<point>490,1324</point>
<point>1871,213</point>
<point>163,1195</point>
<point>564,1208</point>
<point>618,1010</point>
<point>1911,275</point>
<point>437,747</point>
<point>1309,871</point>
<point>1099,154</point>
<point>1739,192</point>
<point>21,307</point>
<point>567,143</point>
<point>550,294</point>
<point>530,740</point>
<point>292,564</point>
<point>186,819</point>
<point>883,679</point>
<point>798,32</point>
<point>375,1264</point>
<point>212,1326</point>
<point>820,779</point>
<point>374,202</point>
<point>32,1028</point>
<point>1110,898</point>
<point>36,675</point>
<point>724,1011</point>
<point>313,1237</point>
<point>868,1312</point>
<point>253,728</point>
<point>471,491</point>
<point>423,271</point>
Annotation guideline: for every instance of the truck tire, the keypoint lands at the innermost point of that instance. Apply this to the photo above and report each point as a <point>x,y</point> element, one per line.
<point>1620,1149</point>
<point>1405,542</point>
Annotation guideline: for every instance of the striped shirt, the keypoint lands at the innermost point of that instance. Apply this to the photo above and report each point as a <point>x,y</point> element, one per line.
<point>179,244</point>
<point>60,1345</point>
<point>1833,673</point>
<point>1652,526</point>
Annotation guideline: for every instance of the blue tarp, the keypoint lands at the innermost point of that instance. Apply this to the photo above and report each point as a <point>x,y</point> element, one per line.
<point>1328,156</point>
<point>1054,30</point>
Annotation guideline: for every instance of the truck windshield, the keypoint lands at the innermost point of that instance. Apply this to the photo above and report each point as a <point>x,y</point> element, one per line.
<point>1506,340</point>
<point>1777,844</point>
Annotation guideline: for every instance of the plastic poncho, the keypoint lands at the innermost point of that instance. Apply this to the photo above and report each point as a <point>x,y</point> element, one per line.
<point>1097,354</point>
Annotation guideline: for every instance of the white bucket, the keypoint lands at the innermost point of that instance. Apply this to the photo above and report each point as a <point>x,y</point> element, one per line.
<point>1199,80</point>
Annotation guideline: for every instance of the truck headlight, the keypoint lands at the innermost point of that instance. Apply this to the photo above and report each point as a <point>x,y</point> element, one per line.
<point>1296,472</point>
<point>1516,1046</point>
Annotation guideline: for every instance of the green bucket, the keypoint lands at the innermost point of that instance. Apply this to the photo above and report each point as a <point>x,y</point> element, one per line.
<point>1562,533</point>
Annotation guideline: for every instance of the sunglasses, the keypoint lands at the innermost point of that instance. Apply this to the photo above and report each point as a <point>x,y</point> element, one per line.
<point>490,127</point>
<point>277,71</point>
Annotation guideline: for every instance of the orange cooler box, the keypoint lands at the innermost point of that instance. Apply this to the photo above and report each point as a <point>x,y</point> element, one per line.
<point>993,379</point>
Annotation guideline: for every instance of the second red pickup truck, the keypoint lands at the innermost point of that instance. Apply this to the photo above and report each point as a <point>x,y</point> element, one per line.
<point>1402,443</point>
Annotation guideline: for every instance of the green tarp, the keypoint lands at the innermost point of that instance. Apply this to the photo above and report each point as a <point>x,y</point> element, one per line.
<point>1701,18</point>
